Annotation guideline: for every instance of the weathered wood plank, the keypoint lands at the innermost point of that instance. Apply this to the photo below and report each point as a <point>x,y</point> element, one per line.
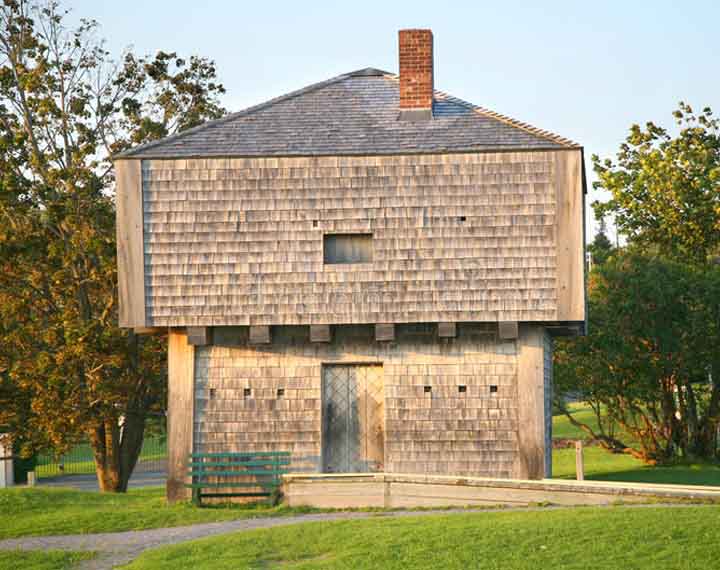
<point>260,334</point>
<point>508,330</point>
<point>384,332</point>
<point>199,336</point>
<point>569,226</point>
<point>181,392</point>
<point>530,461</point>
<point>447,330</point>
<point>320,333</point>
<point>130,248</point>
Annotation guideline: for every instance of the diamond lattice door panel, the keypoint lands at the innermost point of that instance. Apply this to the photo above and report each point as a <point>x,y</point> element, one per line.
<point>353,418</point>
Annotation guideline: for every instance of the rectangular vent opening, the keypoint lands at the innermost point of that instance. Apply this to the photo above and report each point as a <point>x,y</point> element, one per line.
<point>347,248</point>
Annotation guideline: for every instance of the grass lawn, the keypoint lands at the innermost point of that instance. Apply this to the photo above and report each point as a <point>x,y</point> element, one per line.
<point>597,538</point>
<point>602,465</point>
<point>66,511</point>
<point>48,560</point>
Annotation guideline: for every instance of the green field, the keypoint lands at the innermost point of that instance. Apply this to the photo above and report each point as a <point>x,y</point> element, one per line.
<point>569,539</point>
<point>47,560</point>
<point>49,511</point>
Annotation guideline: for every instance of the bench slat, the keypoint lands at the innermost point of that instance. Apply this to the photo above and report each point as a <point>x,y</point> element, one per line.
<point>221,485</point>
<point>243,454</point>
<point>204,495</point>
<point>235,473</point>
<point>238,463</point>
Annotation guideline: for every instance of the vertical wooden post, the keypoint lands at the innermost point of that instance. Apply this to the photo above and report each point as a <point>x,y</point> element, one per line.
<point>579,461</point>
<point>530,463</point>
<point>181,387</point>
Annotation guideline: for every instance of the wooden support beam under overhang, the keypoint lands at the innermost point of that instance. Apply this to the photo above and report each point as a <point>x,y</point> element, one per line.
<point>320,333</point>
<point>199,336</point>
<point>259,334</point>
<point>508,330</point>
<point>384,332</point>
<point>447,330</point>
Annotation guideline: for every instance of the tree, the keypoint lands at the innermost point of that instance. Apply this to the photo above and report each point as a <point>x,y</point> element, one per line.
<point>601,247</point>
<point>644,365</point>
<point>66,370</point>
<point>665,190</point>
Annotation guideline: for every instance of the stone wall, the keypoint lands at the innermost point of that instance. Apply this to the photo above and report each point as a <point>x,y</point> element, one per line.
<point>443,431</point>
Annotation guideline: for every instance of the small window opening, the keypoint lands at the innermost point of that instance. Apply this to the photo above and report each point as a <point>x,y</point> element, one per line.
<point>493,389</point>
<point>247,392</point>
<point>212,393</point>
<point>315,223</point>
<point>462,389</point>
<point>462,218</point>
<point>427,389</point>
<point>280,392</point>
<point>347,248</point>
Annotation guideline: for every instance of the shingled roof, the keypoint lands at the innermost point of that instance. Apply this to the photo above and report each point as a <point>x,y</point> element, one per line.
<point>352,114</point>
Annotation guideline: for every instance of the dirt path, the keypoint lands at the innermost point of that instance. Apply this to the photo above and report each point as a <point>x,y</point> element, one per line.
<point>117,548</point>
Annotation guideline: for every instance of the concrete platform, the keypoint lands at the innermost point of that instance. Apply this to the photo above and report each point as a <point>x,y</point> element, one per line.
<point>412,490</point>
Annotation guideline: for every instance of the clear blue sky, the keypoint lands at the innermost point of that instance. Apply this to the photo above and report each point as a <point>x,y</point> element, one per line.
<point>585,70</point>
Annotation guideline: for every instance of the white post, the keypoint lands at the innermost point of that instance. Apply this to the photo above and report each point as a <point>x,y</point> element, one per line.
<point>31,479</point>
<point>6,461</point>
<point>579,462</point>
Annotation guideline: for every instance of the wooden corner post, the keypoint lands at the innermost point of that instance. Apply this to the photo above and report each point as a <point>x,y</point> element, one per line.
<point>130,247</point>
<point>530,463</point>
<point>181,387</point>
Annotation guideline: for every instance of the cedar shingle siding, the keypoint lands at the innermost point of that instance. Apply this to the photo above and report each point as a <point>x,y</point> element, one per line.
<point>461,237</point>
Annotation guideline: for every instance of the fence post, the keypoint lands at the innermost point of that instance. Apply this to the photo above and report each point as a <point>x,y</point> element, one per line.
<point>579,463</point>
<point>6,461</point>
<point>31,479</point>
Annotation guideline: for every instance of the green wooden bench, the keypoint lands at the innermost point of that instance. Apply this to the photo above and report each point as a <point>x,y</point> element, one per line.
<point>217,471</point>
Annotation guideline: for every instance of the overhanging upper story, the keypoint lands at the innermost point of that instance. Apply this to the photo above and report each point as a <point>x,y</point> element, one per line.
<point>332,205</point>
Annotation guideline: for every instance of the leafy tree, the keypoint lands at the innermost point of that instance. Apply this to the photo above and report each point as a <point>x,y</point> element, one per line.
<point>665,190</point>
<point>644,365</point>
<point>66,370</point>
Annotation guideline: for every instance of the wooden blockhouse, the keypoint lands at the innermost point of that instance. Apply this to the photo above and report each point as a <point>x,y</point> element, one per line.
<point>366,272</point>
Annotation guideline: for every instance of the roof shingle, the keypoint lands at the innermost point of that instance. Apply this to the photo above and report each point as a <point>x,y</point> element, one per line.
<point>352,114</point>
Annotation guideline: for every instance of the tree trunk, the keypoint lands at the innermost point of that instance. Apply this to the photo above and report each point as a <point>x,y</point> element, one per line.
<point>116,449</point>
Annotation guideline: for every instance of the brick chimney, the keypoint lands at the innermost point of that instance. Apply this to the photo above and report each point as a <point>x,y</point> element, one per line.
<point>416,74</point>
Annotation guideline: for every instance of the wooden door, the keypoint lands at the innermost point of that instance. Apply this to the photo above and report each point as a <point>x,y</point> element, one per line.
<point>353,418</point>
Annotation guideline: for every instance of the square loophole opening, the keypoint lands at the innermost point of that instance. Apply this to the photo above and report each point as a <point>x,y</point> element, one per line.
<point>427,389</point>
<point>212,393</point>
<point>280,392</point>
<point>462,219</point>
<point>493,388</point>
<point>462,389</point>
<point>247,392</point>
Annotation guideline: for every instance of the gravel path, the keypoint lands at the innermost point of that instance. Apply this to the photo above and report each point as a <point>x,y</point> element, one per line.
<point>117,548</point>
